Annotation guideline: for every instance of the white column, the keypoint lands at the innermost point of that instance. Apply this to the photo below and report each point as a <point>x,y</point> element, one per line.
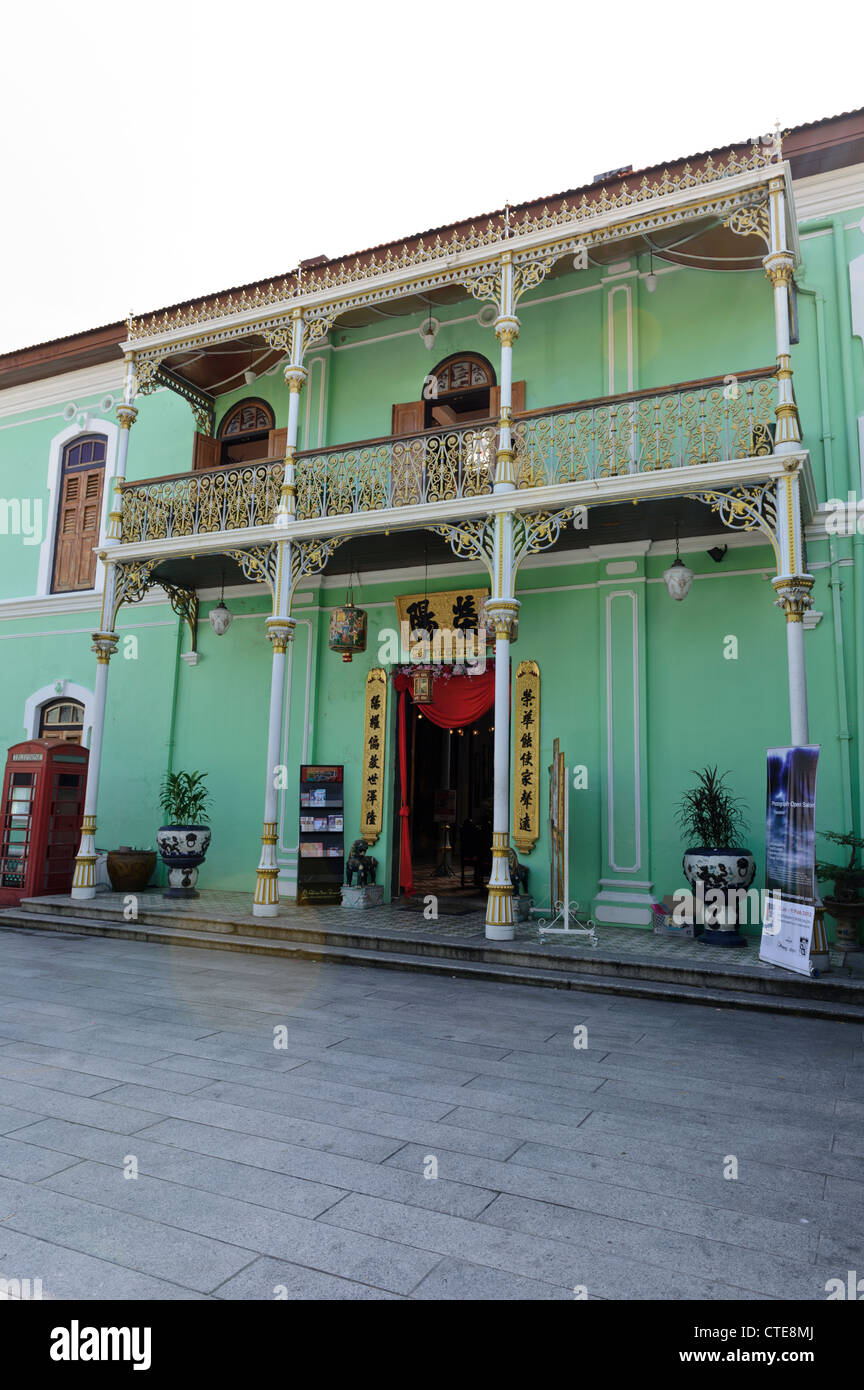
<point>793,587</point>
<point>506,331</point>
<point>127,413</point>
<point>779,265</point>
<point>800,728</point>
<point>503,609</point>
<point>295,377</point>
<point>280,631</point>
<point>104,645</point>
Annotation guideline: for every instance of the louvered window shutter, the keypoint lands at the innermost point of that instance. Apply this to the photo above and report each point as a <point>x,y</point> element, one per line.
<point>78,530</point>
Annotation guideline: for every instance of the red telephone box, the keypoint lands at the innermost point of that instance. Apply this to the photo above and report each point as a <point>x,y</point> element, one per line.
<point>42,810</point>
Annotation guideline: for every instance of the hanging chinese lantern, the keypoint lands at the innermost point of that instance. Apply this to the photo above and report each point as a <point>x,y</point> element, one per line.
<point>348,628</point>
<point>421,687</point>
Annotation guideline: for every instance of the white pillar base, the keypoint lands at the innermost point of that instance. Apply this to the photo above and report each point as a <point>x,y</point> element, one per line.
<point>81,893</point>
<point>265,909</point>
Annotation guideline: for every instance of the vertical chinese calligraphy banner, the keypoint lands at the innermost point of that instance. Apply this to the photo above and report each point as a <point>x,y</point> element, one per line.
<point>526,764</point>
<point>374,733</point>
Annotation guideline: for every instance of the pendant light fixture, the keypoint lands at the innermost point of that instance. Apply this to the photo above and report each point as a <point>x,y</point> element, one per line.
<point>679,576</point>
<point>429,330</point>
<point>651,277</point>
<point>348,625</point>
<point>221,616</point>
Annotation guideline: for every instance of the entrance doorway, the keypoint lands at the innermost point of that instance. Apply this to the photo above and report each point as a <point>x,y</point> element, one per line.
<point>450,835</point>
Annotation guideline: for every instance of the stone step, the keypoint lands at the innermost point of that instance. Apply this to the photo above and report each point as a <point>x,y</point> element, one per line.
<point>359,934</point>
<point>487,964</point>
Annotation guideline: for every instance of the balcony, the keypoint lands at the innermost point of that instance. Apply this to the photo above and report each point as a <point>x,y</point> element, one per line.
<point>693,423</point>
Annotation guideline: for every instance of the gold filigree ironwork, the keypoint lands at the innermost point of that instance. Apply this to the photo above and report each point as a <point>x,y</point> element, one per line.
<point>669,430</point>
<point>184,602</point>
<point>258,563</point>
<point>132,581</point>
<point>472,539</point>
<point>533,532</point>
<point>498,232</point>
<point>752,220</point>
<point>199,503</point>
<point>745,509</point>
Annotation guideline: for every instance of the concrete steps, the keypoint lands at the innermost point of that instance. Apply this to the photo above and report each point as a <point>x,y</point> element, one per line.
<point>689,981</point>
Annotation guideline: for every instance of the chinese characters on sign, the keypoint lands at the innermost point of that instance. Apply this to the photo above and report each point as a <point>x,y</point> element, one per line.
<point>526,766</point>
<point>374,734</point>
<point>455,611</point>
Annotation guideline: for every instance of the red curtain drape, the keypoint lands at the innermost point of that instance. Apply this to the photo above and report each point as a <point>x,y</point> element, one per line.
<point>458,701</point>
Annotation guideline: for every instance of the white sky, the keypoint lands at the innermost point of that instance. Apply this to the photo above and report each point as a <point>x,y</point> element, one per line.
<point>155,152</point>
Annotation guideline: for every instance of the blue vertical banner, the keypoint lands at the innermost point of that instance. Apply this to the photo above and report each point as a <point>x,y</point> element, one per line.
<point>790,831</point>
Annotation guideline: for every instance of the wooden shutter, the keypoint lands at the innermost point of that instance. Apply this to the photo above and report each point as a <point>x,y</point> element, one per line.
<point>205,453</point>
<point>517,394</point>
<point>277,441</point>
<point>408,418</point>
<point>78,530</point>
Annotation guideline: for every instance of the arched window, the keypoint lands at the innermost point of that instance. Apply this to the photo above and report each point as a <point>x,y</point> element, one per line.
<point>460,390</point>
<point>62,719</point>
<point>245,431</point>
<point>80,513</point>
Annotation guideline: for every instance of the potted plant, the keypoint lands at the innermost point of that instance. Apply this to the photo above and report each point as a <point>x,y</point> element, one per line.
<point>847,904</point>
<point>713,822</point>
<point>184,839</point>
<point>130,869</point>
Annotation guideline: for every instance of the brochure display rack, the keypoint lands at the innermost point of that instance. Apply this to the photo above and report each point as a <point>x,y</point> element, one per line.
<point>321,864</point>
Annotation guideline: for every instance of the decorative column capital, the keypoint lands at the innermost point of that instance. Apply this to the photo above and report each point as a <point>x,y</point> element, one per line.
<point>104,645</point>
<point>295,378</point>
<point>504,616</point>
<point>506,329</point>
<point>779,267</point>
<point>280,631</point>
<point>127,414</point>
<point>793,595</point>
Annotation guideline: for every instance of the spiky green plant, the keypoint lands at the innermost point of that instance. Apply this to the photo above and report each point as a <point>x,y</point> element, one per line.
<point>708,815</point>
<point>848,878</point>
<point>183,798</point>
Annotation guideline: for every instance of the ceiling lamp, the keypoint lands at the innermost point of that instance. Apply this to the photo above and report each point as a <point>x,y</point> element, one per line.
<point>221,616</point>
<point>651,283</point>
<point>679,576</point>
<point>429,331</point>
<point>348,627</point>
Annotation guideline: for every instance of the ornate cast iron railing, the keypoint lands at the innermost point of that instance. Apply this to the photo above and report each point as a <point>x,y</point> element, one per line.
<point>647,431</point>
<point>429,467</point>
<point>223,499</point>
<point>702,422</point>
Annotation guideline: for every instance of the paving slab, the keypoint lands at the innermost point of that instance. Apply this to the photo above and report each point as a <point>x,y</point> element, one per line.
<point>303,1173</point>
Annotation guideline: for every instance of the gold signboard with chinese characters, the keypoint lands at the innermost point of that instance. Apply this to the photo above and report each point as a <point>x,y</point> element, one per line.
<point>455,611</point>
<point>526,760</point>
<point>374,735</point>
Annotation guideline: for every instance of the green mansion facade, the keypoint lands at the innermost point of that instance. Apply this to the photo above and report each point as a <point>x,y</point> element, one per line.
<point>534,410</point>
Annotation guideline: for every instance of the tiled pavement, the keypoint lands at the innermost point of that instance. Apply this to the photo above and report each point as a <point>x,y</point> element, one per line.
<point>302,1166</point>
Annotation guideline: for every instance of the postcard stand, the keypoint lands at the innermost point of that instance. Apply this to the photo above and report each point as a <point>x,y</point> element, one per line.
<point>321,862</point>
